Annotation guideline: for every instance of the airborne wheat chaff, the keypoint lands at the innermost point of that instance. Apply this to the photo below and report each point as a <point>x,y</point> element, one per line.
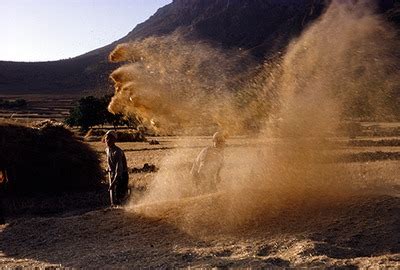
<point>172,84</point>
<point>345,65</point>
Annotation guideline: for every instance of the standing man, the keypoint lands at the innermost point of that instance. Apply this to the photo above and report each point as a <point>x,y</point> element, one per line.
<point>118,170</point>
<point>206,169</point>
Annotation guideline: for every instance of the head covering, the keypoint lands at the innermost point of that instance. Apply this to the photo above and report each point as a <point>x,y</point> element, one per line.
<point>218,137</point>
<point>111,133</point>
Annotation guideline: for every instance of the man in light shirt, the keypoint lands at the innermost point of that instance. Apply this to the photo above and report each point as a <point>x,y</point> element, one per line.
<point>206,170</point>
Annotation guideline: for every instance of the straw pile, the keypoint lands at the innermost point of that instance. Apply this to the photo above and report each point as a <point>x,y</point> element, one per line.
<point>47,158</point>
<point>126,135</point>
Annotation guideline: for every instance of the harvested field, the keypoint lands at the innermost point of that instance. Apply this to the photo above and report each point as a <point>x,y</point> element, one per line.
<point>360,230</point>
<point>39,107</point>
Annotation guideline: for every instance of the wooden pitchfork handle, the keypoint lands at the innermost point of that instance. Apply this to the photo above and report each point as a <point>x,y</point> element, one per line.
<point>110,188</point>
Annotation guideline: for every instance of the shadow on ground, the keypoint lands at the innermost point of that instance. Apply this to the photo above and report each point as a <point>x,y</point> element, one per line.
<point>363,227</point>
<point>372,228</point>
<point>111,237</point>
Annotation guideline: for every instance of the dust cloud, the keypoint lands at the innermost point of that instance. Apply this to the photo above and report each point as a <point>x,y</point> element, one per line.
<point>175,85</point>
<point>345,65</point>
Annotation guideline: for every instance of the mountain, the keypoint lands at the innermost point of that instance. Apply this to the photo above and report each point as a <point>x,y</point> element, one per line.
<point>262,27</point>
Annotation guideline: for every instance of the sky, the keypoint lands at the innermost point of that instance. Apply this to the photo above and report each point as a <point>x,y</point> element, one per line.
<point>47,30</point>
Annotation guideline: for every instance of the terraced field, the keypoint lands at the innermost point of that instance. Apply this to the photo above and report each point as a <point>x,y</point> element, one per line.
<point>38,107</point>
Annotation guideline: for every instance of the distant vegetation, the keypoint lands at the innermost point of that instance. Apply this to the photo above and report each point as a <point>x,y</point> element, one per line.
<point>9,104</point>
<point>91,111</point>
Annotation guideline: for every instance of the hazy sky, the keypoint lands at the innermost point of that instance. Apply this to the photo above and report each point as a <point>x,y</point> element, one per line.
<point>42,30</point>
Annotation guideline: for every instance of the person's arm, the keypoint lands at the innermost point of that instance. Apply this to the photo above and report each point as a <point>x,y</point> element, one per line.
<point>199,163</point>
<point>193,170</point>
<point>202,160</point>
<point>108,161</point>
<point>118,169</point>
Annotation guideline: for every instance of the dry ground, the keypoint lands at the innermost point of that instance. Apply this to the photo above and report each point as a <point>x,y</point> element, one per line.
<point>359,232</point>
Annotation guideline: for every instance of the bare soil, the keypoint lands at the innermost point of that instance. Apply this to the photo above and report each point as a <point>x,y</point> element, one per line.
<point>363,231</point>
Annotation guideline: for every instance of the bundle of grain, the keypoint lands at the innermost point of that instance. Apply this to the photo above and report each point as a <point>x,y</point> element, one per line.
<point>125,135</point>
<point>47,158</point>
<point>130,136</point>
<point>95,135</point>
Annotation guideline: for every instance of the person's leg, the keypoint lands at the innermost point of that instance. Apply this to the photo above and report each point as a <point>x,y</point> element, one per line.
<point>121,188</point>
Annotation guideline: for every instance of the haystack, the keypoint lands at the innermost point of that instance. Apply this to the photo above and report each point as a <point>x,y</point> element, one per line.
<point>126,135</point>
<point>47,158</point>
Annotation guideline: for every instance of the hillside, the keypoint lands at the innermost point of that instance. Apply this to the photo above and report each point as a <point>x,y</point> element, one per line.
<point>263,27</point>
<point>250,24</point>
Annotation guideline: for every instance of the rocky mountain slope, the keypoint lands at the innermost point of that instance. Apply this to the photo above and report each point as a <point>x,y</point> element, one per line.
<point>263,27</point>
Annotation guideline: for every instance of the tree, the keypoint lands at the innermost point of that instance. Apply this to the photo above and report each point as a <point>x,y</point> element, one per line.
<point>89,112</point>
<point>113,119</point>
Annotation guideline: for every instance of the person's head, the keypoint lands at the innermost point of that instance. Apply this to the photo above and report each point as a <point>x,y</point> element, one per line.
<point>110,138</point>
<point>218,140</point>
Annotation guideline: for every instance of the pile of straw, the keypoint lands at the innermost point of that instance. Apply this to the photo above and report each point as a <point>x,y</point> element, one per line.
<point>47,158</point>
<point>126,135</point>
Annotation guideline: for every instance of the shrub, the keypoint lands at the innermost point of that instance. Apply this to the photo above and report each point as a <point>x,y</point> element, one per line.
<point>18,103</point>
